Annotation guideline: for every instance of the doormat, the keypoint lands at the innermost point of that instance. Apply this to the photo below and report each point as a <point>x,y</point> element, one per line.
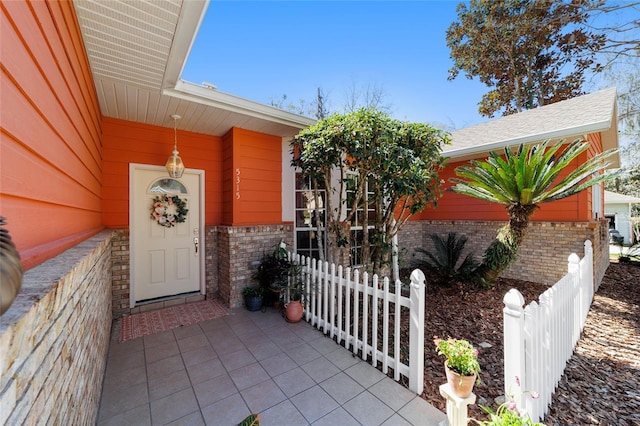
<point>147,323</point>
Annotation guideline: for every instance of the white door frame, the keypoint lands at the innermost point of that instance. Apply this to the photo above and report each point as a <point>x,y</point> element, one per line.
<point>132,210</point>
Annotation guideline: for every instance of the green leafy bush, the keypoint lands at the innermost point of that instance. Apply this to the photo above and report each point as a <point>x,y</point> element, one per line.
<point>446,260</point>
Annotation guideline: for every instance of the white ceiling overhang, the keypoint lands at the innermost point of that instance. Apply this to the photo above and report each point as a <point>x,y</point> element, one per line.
<point>137,51</point>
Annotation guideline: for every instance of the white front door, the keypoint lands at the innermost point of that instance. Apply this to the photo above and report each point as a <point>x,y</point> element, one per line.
<point>165,260</point>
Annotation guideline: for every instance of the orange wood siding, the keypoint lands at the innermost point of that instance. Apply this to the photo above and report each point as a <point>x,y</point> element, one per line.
<point>128,142</point>
<point>252,178</point>
<point>51,151</point>
<point>454,206</point>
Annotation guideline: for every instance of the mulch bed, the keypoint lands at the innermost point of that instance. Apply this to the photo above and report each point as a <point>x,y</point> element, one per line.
<point>601,382</point>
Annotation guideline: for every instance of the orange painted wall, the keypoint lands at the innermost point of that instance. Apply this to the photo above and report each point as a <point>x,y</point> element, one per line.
<point>454,206</point>
<point>252,178</point>
<point>50,147</point>
<point>128,142</point>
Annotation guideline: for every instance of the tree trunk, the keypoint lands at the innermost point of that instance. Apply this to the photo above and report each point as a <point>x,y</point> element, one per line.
<point>503,250</point>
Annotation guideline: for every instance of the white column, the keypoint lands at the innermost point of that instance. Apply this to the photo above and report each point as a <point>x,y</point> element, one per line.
<point>457,408</point>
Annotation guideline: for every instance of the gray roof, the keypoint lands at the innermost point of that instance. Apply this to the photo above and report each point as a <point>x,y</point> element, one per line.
<point>615,198</point>
<point>569,119</point>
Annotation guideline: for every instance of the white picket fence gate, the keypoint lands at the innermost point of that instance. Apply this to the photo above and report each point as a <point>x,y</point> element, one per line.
<point>352,307</point>
<point>540,339</point>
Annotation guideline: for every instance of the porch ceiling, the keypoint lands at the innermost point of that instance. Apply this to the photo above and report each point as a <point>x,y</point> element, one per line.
<point>137,51</point>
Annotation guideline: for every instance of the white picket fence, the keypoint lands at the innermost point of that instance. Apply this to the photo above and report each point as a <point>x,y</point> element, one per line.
<point>351,307</point>
<point>540,339</point>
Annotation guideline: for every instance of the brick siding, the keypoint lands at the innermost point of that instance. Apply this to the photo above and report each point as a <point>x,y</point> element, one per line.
<point>543,254</point>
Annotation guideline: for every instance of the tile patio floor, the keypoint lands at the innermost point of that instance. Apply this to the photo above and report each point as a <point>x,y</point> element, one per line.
<point>219,371</point>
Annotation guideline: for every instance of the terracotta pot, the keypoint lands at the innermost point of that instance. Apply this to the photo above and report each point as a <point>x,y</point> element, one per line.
<point>293,311</point>
<point>461,386</point>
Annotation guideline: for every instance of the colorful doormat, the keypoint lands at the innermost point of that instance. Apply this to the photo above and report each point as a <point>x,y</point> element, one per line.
<point>151,322</point>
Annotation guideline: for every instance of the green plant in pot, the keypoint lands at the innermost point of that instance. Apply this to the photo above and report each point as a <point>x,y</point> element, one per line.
<point>253,297</point>
<point>294,293</point>
<point>461,364</point>
<point>272,273</point>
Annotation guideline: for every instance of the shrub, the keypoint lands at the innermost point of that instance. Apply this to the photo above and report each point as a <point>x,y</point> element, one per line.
<point>445,261</point>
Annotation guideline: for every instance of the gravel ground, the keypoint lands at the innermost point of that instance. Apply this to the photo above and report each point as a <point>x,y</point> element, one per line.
<point>601,385</point>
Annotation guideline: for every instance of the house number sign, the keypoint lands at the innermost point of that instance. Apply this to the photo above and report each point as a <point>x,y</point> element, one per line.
<point>237,183</point>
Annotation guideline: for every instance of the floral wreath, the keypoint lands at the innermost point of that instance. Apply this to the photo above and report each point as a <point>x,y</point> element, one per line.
<point>168,210</point>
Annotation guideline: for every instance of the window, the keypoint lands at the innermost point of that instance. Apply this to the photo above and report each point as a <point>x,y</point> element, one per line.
<point>306,229</point>
<point>167,186</point>
<point>357,223</point>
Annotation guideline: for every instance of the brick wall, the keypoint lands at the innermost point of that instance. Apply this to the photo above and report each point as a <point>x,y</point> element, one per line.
<point>542,256</point>
<point>120,270</point>
<point>55,337</point>
<point>239,249</point>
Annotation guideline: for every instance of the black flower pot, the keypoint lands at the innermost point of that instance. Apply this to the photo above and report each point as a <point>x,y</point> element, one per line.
<point>253,303</point>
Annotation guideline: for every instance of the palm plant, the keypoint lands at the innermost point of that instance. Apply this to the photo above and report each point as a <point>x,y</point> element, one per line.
<point>445,259</point>
<point>521,181</point>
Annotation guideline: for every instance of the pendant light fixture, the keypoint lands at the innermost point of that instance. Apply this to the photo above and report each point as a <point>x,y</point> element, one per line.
<point>175,167</point>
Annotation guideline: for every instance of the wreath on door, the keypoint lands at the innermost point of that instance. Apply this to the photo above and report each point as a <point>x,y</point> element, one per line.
<point>168,210</point>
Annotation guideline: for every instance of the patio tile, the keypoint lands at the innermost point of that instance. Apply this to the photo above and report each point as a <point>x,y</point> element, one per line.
<point>139,416</point>
<point>278,364</point>
<point>341,387</point>
<point>193,419</point>
<point>226,345</point>
<point>197,356</point>
<point>325,346</point>
<point>229,411</point>
<point>168,384</point>
<point>188,331</point>
<point>368,409</point>
<point>392,393</point>
<point>214,325</point>
<point>124,378</point>
<point>419,411</point>
<point>304,354</point>
<point>125,348</point>
<point>249,375</point>
<point>206,371</point>
<point>214,390</point>
<point>193,342</point>
<point>337,417</point>
<point>134,359</point>
<point>314,403</point>
<point>342,358</point>
<point>158,339</point>
<point>396,420</point>
<point>263,396</point>
<point>263,349</point>
<point>173,407</point>
<point>164,350</point>
<point>290,343</point>
<point>320,369</point>
<point>284,413</point>
<point>164,366</point>
<point>235,360</point>
<point>365,374</point>
<point>294,381</point>
<point>115,401</point>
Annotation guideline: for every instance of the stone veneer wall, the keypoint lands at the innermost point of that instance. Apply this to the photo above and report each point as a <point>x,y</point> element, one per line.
<point>55,337</point>
<point>239,249</point>
<point>121,273</point>
<point>542,257</point>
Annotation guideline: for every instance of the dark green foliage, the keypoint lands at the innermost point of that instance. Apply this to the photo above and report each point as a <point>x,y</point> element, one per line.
<point>446,260</point>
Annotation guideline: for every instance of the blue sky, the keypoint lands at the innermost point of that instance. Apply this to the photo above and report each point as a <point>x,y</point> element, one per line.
<point>263,50</point>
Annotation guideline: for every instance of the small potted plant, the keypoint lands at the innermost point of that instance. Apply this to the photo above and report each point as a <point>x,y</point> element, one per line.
<point>508,413</point>
<point>272,273</point>
<point>461,364</point>
<point>293,289</point>
<point>253,297</point>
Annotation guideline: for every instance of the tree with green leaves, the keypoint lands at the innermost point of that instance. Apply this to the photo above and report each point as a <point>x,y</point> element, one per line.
<point>522,180</point>
<point>390,167</point>
<point>529,53</point>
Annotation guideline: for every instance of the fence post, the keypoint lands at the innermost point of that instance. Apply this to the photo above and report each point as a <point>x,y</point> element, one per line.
<point>514,355</point>
<point>416,333</point>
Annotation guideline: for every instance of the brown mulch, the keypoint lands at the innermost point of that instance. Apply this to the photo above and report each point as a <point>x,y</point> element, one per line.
<point>601,384</point>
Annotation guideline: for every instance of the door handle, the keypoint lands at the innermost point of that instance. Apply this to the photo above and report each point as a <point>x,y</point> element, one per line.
<point>195,243</point>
